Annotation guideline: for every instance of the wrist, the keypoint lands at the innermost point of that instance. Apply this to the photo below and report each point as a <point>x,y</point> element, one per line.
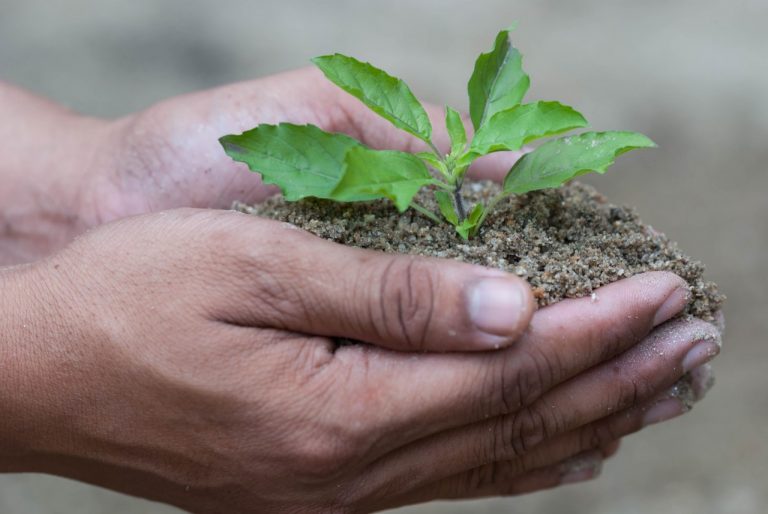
<point>36,345</point>
<point>17,325</point>
<point>49,152</point>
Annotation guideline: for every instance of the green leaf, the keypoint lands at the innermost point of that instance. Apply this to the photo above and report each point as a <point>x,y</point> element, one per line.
<point>445,202</point>
<point>302,160</point>
<point>558,161</point>
<point>456,131</point>
<point>467,227</point>
<point>511,129</point>
<point>498,81</point>
<point>386,95</point>
<point>433,160</point>
<point>383,174</point>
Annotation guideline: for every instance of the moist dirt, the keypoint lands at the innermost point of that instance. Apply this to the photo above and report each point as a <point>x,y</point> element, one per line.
<point>565,242</point>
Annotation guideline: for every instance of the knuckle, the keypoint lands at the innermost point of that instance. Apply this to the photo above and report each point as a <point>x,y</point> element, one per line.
<point>476,478</point>
<point>494,476</point>
<point>535,374</point>
<point>321,459</point>
<point>528,428</point>
<point>407,295</point>
<point>505,443</point>
<point>631,391</point>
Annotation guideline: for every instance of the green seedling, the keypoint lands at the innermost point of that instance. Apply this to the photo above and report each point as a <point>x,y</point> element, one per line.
<point>305,161</point>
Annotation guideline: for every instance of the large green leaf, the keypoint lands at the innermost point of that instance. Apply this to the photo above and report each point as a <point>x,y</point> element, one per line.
<point>302,160</point>
<point>511,129</point>
<point>382,173</point>
<point>388,96</point>
<point>498,81</point>
<point>556,162</point>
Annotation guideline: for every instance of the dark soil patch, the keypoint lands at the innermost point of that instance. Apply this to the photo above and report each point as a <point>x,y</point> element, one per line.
<point>566,242</point>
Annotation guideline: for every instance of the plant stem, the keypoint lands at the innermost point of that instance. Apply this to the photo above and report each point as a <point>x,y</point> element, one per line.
<point>426,212</point>
<point>461,210</point>
<point>435,149</point>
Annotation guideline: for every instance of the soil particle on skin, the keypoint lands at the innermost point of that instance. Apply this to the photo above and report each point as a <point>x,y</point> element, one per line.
<point>565,242</point>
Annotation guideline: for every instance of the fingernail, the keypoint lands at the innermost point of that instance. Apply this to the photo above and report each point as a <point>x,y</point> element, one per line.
<point>663,410</point>
<point>584,466</point>
<point>495,305</point>
<point>701,353</point>
<point>674,303</point>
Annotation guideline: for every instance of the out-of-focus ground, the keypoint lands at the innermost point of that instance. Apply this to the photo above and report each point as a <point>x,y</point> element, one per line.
<point>693,74</point>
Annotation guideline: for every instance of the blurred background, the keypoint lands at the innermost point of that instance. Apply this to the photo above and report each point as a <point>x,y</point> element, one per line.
<point>692,74</point>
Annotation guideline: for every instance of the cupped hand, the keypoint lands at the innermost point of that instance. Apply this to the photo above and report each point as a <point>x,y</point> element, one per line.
<point>190,357</point>
<point>168,155</point>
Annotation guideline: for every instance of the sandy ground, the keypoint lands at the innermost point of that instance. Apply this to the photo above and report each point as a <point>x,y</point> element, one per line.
<point>692,74</point>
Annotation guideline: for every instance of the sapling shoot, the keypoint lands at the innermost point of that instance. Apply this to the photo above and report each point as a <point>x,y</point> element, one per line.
<point>305,161</point>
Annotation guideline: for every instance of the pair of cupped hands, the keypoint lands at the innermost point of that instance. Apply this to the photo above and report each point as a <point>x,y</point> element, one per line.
<point>187,355</point>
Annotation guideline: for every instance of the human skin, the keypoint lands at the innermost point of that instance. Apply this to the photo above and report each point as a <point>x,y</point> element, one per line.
<point>187,356</point>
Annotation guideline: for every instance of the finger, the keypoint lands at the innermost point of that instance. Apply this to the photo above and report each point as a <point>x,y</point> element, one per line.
<point>629,380</point>
<point>503,479</point>
<point>702,379</point>
<point>301,283</point>
<point>409,397</point>
<point>597,441</point>
<point>692,387</point>
<point>605,433</point>
<point>610,449</point>
<point>633,377</point>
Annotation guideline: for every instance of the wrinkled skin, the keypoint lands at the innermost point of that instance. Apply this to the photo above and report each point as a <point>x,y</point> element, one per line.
<point>188,355</point>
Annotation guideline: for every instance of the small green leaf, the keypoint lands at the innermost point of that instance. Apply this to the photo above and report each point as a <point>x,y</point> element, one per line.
<point>511,129</point>
<point>383,174</point>
<point>498,81</point>
<point>302,160</point>
<point>467,227</point>
<point>433,160</point>
<point>456,131</point>
<point>386,95</point>
<point>558,161</point>
<point>445,202</point>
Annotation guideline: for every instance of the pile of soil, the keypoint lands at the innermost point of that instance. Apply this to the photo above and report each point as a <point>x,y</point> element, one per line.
<point>565,242</point>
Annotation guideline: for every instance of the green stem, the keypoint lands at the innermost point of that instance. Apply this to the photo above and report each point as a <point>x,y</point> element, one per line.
<point>426,212</point>
<point>461,210</point>
<point>435,150</point>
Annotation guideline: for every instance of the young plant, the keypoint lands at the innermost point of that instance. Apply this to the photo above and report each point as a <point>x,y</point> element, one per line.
<point>305,161</point>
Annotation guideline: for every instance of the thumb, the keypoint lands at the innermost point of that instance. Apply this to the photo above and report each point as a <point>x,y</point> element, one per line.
<point>402,302</point>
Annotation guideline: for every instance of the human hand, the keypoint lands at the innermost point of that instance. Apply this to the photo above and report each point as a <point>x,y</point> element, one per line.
<point>185,357</point>
<point>168,156</point>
